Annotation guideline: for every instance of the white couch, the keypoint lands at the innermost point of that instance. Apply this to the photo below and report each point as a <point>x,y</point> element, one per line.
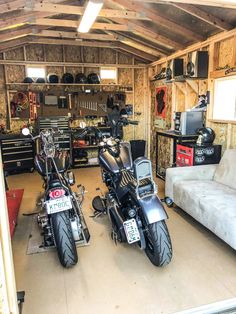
<point>208,194</point>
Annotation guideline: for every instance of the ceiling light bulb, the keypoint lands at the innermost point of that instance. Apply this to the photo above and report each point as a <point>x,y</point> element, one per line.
<point>90,14</point>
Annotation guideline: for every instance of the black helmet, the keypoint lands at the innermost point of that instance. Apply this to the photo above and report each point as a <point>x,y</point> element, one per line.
<point>93,78</point>
<point>28,80</point>
<point>206,136</point>
<point>80,78</point>
<point>52,78</point>
<point>40,80</point>
<point>67,78</point>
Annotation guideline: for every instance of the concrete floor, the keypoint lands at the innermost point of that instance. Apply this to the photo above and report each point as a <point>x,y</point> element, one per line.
<point>120,279</point>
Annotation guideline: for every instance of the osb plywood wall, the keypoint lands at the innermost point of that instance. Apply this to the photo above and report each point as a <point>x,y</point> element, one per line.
<point>57,53</point>
<point>181,96</point>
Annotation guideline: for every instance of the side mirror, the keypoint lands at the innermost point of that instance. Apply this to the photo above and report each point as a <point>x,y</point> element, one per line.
<point>25,131</point>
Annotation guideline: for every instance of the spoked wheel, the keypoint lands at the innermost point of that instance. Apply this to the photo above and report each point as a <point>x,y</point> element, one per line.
<point>64,240</point>
<point>158,244</point>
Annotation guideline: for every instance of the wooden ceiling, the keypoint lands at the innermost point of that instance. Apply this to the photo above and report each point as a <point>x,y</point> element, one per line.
<point>148,29</point>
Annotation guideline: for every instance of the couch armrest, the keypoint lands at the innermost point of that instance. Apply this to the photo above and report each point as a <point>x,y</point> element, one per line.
<point>204,172</point>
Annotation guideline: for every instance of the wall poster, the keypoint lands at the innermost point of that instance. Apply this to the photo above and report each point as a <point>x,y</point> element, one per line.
<point>160,103</point>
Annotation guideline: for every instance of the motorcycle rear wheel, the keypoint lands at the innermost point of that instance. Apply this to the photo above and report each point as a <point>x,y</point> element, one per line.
<point>158,244</point>
<point>64,240</point>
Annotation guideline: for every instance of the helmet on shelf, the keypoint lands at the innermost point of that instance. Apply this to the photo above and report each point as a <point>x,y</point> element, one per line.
<point>93,78</point>
<point>206,136</point>
<point>40,80</point>
<point>28,80</point>
<point>80,78</point>
<point>67,78</point>
<point>52,78</point>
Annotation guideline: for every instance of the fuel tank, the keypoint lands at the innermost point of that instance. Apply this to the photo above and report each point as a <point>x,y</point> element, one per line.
<point>116,164</point>
<point>61,159</point>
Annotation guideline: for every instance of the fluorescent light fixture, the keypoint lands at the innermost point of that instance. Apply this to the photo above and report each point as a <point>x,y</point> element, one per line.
<point>90,14</point>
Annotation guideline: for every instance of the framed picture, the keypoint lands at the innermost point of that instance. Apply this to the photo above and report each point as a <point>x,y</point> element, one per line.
<point>160,102</point>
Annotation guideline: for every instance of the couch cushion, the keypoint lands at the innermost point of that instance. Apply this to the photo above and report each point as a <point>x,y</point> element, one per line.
<point>212,204</point>
<point>226,170</point>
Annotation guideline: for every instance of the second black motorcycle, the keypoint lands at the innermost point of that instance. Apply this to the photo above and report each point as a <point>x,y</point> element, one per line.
<point>131,202</point>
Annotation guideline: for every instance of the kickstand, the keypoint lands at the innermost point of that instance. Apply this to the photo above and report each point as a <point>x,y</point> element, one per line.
<point>96,214</point>
<point>20,300</point>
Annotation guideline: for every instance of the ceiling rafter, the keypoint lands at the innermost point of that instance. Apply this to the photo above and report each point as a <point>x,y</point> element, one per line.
<point>11,6</point>
<point>142,30</point>
<point>75,35</point>
<point>75,24</point>
<point>159,19</point>
<point>214,3</point>
<point>15,34</point>
<point>78,10</point>
<point>203,15</point>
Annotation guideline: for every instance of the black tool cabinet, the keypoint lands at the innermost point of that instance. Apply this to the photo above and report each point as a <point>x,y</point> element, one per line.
<point>17,153</point>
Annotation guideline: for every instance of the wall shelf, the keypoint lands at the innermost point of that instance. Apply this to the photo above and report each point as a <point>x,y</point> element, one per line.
<point>31,86</point>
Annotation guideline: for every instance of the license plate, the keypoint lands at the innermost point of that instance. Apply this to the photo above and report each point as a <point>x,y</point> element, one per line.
<point>131,231</point>
<point>58,205</point>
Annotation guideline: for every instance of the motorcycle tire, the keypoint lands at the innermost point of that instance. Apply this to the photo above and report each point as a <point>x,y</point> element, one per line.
<point>64,240</point>
<point>158,244</point>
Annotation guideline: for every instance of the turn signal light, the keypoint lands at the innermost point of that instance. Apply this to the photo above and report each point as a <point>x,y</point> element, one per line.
<point>57,193</point>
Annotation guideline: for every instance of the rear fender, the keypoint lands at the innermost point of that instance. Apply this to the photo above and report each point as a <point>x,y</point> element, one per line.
<point>152,209</point>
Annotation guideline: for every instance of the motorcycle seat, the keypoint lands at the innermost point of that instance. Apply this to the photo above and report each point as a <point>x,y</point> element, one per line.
<point>54,184</point>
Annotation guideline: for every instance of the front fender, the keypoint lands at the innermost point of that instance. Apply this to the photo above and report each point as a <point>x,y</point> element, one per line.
<point>152,209</point>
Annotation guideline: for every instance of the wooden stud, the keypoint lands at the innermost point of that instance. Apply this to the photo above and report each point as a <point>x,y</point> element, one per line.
<point>193,84</point>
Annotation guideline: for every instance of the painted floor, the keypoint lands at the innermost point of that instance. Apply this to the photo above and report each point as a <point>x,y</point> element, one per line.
<point>113,278</point>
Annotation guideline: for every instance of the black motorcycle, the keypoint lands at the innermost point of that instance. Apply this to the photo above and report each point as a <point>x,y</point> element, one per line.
<point>135,211</point>
<point>61,215</point>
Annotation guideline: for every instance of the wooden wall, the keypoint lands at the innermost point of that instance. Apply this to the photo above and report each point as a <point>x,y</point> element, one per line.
<point>184,95</point>
<point>128,76</point>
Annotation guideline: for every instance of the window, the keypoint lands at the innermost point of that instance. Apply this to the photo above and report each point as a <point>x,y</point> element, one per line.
<point>36,72</point>
<point>225,99</point>
<point>108,73</point>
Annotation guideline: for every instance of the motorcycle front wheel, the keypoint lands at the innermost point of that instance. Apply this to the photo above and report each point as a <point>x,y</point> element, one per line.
<point>158,244</point>
<point>64,240</point>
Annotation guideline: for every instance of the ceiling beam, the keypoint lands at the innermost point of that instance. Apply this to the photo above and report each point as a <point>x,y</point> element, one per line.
<point>51,41</point>
<point>141,30</point>
<point>203,15</point>
<point>76,35</point>
<point>75,24</point>
<point>214,3</point>
<point>13,22</point>
<point>15,34</point>
<point>160,20</point>
<point>11,6</point>
<point>78,10</point>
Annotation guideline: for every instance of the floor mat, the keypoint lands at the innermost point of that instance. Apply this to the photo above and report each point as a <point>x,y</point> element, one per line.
<point>14,198</point>
<point>35,242</point>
